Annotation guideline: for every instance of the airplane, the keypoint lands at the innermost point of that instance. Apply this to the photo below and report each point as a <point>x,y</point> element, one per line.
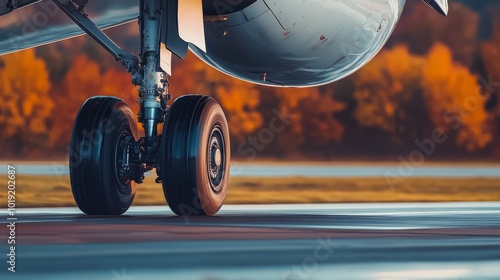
<point>281,43</point>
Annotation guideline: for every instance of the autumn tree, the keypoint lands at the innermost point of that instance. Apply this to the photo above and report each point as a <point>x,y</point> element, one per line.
<point>454,100</point>
<point>239,99</point>
<point>490,52</point>
<point>251,109</point>
<point>60,55</point>
<point>420,29</point>
<point>117,82</point>
<point>387,91</point>
<point>308,117</point>
<point>284,105</point>
<point>26,104</point>
<point>319,111</point>
<point>84,79</point>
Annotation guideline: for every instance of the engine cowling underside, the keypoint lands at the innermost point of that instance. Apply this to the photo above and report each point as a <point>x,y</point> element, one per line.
<point>298,43</point>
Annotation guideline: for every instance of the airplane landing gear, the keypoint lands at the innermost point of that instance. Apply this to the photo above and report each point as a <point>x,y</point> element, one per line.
<point>191,157</point>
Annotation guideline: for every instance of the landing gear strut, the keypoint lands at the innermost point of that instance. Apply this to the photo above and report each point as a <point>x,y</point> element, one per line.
<point>107,158</point>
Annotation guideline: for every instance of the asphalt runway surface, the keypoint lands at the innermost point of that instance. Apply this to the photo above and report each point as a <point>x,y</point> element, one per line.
<point>325,241</point>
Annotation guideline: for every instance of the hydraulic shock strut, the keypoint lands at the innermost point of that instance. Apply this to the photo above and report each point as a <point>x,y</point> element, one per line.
<point>154,84</point>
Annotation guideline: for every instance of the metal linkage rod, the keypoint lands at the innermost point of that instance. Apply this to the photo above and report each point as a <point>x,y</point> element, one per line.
<point>76,13</point>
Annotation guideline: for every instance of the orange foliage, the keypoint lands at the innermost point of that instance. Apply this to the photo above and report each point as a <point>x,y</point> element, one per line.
<point>318,110</point>
<point>383,95</point>
<point>490,53</point>
<point>239,99</point>
<point>312,109</point>
<point>454,100</point>
<point>26,104</point>
<point>384,86</point>
<point>313,116</point>
<point>420,29</point>
<point>119,83</point>
<point>83,80</point>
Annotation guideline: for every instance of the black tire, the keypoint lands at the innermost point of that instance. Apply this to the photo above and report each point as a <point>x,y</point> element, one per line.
<point>102,122</point>
<point>195,128</point>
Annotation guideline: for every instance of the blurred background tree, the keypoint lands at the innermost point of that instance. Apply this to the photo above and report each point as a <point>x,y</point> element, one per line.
<point>435,72</point>
<point>26,105</point>
<point>490,53</point>
<point>238,99</point>
<point>420,30</point>
<point>454,100</point>
<point>387,92</point>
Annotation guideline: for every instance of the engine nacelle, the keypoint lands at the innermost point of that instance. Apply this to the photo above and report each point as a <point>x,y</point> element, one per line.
<point>296,43</point>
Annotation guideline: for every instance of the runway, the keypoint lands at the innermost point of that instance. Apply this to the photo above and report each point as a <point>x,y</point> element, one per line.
<point>326,241</point>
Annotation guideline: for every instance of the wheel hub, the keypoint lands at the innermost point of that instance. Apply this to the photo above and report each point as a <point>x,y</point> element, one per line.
<point>132,159</point>
<point>216,157</point>
<point>122,164</point>
<point>216,160</point>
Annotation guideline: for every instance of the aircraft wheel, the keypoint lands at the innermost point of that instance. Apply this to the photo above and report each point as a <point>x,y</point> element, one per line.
<point>102,124</point>
<point>195,156</point>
